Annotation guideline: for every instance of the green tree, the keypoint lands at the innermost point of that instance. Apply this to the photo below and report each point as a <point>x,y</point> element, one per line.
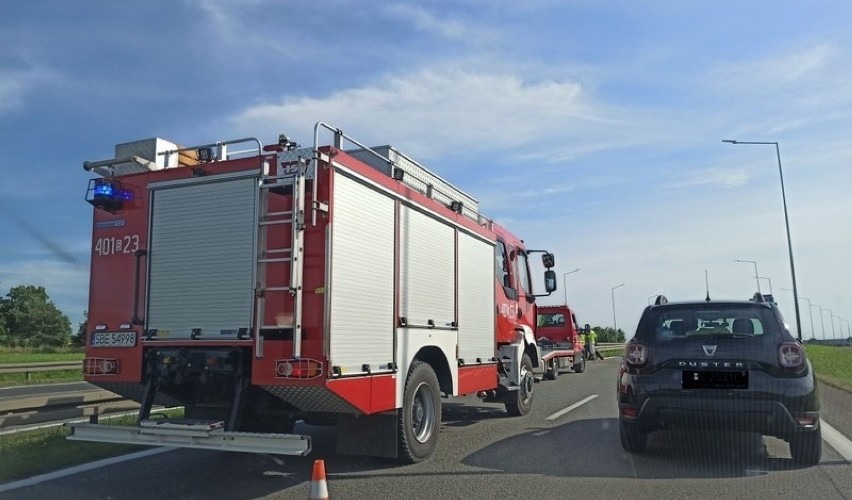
<point>79,338</point>
<point>608,335</point>
<point>4,332</point>
<point>32,319</point>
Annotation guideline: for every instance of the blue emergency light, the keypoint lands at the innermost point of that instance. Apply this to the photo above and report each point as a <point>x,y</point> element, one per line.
<point>107,194</point>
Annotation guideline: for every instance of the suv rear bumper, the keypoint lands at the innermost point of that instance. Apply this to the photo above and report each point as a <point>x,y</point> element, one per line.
<point>761,416</point>
<point>770,406</point>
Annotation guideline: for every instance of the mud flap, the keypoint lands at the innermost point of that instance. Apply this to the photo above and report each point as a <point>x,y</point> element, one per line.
<point>368,435</point>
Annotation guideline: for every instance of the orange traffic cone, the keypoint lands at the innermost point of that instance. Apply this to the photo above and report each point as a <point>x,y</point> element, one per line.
<point>319,488</point>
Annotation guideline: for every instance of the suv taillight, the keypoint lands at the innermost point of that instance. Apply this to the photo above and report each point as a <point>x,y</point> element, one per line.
<point>636,354</point>
<point>791,356</point>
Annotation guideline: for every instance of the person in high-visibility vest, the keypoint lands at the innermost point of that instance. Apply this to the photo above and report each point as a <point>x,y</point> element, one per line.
<point>590,338</point>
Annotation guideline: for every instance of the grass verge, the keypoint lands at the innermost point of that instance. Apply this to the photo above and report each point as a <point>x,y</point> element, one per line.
<point>608,353</point>
<point>14,355</point>
<point>15,379</point>
<point>832,364</point>
<point>29,453</point>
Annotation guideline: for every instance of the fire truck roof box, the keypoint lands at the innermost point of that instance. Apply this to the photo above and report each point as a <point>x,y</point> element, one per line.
<point>418,177</point>
<point>148,149</point>
<point>138,156</point>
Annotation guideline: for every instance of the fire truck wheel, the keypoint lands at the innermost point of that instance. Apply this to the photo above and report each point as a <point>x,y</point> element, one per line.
<point>522,399</point>
<point>420,416</point>
<point>580,366</point>
<point>553,369</point>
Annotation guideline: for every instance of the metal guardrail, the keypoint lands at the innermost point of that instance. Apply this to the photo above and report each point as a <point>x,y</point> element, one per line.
<point>46,366</point>
<point>56,406</point>
<point>611,345</point>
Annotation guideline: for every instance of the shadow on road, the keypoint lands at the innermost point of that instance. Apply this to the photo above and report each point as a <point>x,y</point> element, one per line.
<point>591,448</point>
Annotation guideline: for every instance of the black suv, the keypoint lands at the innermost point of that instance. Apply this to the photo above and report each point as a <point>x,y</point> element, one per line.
<point>718,365</point>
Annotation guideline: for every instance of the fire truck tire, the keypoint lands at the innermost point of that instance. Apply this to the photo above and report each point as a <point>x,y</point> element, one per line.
<point>420,416</point>
<point>553,369</point>
<point>580,366</point>
<point>521,400</point>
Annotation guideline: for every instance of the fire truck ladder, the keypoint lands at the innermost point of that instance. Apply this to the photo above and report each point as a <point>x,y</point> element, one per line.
<point>294,183</point>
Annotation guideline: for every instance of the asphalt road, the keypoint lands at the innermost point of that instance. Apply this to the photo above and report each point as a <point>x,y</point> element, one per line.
<point>482,453</point>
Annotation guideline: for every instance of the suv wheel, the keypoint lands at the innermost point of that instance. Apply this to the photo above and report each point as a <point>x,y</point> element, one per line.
<point>633,440</point>
<point>806,448</point>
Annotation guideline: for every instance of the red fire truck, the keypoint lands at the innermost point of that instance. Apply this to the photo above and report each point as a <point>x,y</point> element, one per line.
<point>559,339</point>
<point>261,286</point>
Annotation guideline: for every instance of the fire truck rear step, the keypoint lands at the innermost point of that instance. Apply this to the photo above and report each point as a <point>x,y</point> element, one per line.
<point>209,435</point>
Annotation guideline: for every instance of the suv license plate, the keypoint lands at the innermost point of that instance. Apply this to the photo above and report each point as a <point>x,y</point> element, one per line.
<point>715,380</point>
<point>114,339</point>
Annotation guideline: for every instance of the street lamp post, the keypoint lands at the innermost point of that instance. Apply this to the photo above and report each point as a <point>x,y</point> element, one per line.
<point>565,283</point>
<point>833,333</point>
<point>770,282</point>
<point>810,313</point>
<point>821,321</point>
<point>787,225</point>
<point>614,322</point>
<point>756,278</point>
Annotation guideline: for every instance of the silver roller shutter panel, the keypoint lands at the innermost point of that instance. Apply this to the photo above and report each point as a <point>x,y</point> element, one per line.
<point>202,258</point>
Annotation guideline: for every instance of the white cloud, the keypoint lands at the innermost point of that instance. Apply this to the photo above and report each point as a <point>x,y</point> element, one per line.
<point>777,71</point>
<point>432,113</point>
<point>424,20</point>
<point>16,84</point>
<point>723,177</point>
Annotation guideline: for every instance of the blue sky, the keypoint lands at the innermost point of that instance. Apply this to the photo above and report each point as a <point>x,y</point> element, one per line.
<point>589,128</point>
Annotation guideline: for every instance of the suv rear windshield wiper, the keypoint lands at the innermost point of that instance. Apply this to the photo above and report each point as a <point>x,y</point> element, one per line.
<point>724,336</point>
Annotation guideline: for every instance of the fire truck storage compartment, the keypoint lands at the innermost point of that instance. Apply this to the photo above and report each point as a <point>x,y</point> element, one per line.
<point>476,299</point>
<point>202,256</point>
<point>443,272</point>
<point>362,277</point>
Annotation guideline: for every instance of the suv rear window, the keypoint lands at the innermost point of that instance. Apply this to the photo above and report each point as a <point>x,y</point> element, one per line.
<point>696,321</point>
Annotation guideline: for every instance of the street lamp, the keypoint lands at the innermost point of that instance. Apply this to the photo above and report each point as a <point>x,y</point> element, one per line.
<point>614,322</point>
<point>833,333</point>
<point>565,282</point>
<point>810,313</point>
<point>787,225</point>
<point>821,321</point>
<point>756,279</point>
<point>770,283</point>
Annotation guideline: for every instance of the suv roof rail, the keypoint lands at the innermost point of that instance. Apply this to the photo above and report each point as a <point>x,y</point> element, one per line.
<point>661,300</point>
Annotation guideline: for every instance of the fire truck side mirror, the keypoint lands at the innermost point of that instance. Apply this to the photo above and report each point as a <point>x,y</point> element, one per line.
<point>548,260</point>
<point>550,281</point>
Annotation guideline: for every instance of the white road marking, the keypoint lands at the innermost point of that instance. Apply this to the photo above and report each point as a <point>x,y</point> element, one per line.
<point>838,441</point>
<point>23,483</point>
<point>572,407</point>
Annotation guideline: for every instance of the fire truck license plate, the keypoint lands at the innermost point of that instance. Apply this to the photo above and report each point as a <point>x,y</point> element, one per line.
<point>114,339</point>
